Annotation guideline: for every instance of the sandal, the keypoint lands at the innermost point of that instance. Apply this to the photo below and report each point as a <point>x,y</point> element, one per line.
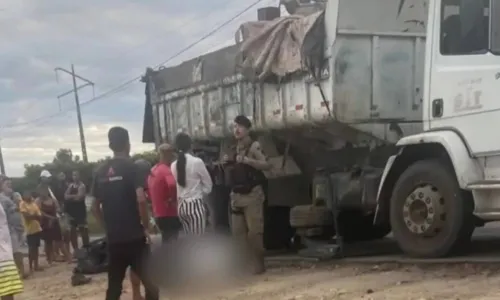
<point>79,279</point>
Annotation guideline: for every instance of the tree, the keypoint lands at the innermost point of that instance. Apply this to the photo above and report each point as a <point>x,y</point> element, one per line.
<point>65,161</point>
<point>150,156</point>
<point>63,156</point>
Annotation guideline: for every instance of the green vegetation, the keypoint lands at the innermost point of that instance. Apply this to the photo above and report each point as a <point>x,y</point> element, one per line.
<point>65,161</point>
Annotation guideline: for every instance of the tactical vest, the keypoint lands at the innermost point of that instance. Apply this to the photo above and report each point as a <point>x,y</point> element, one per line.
<point>245,177</point>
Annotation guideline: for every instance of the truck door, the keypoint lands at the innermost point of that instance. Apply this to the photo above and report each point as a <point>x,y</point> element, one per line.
<point>464,83</point>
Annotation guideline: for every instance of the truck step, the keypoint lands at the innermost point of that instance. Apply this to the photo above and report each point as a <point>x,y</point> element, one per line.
<point>484,185</point>
<point>320,250</point>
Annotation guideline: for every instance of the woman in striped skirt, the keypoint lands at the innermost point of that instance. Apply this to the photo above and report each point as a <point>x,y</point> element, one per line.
<point>10,280</point>
<point>193,184</point>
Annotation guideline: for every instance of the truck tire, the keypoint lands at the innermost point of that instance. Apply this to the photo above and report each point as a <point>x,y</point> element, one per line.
<point>430,215</point>
<point>305,216</point>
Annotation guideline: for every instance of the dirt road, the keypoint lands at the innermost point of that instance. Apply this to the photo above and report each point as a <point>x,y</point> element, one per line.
<point>310,282</point>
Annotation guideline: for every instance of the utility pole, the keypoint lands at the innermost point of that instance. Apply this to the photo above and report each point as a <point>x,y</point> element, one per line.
<point>75,89</point>
<point>2,164</point>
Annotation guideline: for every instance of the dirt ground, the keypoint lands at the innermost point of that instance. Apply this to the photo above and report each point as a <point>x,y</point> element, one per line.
<point>325,281</point>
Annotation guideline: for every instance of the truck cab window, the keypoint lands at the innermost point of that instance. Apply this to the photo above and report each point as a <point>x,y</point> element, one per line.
<point>495,27</point>
<point>464,27</point>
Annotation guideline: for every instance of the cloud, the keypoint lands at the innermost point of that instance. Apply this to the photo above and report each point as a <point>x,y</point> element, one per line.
<point>109,42</point>
<point>40,145</point>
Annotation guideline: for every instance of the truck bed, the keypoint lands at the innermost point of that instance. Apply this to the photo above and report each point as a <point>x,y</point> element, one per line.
<point>373,82</point>
<point>376,80</point>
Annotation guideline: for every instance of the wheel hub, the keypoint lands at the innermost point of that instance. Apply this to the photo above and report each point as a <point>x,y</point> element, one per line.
<point>424,211</point>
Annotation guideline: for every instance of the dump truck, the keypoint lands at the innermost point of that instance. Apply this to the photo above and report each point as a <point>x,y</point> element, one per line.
<point>374,115</point>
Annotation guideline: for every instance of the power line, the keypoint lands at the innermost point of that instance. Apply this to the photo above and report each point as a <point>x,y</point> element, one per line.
<point>129,51</point>
<point>189,22</point>
<point>187,48</point>
<point>137,78</point>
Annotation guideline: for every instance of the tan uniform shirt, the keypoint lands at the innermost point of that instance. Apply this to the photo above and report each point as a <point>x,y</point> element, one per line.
<point>252,150</point>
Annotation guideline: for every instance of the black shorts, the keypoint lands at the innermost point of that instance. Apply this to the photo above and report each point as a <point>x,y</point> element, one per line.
<point>33,240</point>
<point>77,213</point>
<point>134,254</point>
<point>169,227</point>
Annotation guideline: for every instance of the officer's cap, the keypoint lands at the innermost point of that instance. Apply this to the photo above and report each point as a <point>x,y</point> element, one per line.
<point>243,121</point>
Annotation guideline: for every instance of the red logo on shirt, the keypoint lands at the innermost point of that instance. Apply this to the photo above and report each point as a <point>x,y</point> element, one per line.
<point>111,172</point>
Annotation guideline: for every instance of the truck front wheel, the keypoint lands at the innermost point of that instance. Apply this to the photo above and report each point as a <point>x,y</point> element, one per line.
<point>430,215</point>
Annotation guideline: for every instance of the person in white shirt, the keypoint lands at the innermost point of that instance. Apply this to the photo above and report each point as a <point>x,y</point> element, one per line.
<point>193,184</point>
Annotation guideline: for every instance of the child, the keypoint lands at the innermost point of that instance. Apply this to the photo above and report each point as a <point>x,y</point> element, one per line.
<point>31,216</point>
<point>11,283</point>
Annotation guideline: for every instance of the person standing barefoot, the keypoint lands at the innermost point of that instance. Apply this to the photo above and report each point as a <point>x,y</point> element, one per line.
<point>51,230</point>
<point>31,216</point>
<point>74,207</point>
<point>59,187</point>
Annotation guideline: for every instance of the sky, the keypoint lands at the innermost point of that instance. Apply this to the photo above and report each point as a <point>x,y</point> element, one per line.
<point>109,42</point>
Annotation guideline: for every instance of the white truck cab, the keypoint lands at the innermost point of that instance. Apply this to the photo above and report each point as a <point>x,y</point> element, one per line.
<point>446,180</point>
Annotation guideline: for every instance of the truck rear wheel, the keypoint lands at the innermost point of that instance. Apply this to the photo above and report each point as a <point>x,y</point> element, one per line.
<point>430,215</point>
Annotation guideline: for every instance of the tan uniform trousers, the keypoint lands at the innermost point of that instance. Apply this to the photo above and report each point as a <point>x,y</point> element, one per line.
<point>247,224</point>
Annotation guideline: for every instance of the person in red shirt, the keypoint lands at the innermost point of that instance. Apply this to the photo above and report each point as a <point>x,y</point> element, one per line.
<point>162,192</point>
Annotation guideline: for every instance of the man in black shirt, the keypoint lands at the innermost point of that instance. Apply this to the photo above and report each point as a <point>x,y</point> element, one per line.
<point>120,205</point>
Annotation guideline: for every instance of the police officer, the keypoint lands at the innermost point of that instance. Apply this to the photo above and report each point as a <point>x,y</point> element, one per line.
<point>247,194</point>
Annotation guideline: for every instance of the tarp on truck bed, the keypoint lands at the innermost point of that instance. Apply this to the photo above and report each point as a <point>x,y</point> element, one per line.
<point>213,66</point>
<point>281,46</point>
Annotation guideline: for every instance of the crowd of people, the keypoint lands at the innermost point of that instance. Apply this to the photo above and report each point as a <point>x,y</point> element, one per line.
<point>52,213</point>
<point>176,187</point>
